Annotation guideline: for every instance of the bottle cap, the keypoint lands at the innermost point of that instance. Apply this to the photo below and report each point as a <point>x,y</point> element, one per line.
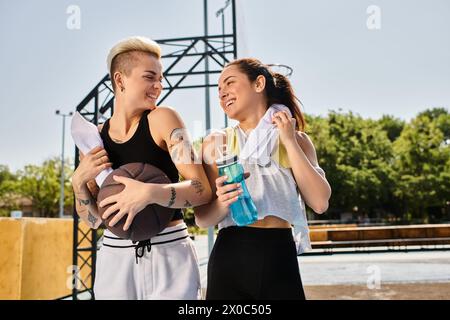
<point>226,160</point>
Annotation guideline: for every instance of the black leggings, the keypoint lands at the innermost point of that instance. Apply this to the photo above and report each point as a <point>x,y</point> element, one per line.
<point>254,263</point>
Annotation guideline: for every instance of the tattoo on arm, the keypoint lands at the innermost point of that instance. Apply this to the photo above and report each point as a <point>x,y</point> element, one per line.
<point>187,204</point>
<point>172,197</point>
<point>176,136</point>
<point>84,202</point>
<point>198,186</point>
<point>92,219</point>
<point>180,147</point>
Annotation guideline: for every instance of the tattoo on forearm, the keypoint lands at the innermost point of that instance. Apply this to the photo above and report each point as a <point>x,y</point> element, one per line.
<point>187,204</point>
<point>84,202</point>
<point>172,197</point>
<point>198,186</point>
<point>92,219</point>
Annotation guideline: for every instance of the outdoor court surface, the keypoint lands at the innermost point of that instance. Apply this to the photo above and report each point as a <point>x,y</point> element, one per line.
<point>392,275</point>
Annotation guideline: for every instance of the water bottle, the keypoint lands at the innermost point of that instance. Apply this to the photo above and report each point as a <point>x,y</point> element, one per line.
<point>243,211</point>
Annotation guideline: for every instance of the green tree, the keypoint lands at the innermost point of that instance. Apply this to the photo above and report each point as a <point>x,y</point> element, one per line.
<point>392,126</point>
<point>356,155</point>
<point>423,164</point>
<point>8,191</point>
<point>5,174</point>
<point>42,185</point>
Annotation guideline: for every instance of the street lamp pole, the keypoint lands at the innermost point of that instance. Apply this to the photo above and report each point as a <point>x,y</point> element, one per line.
<point>221,12</point>
<point>61,198</point>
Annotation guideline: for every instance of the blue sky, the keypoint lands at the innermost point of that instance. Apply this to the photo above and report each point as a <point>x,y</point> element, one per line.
<point>400,69</point>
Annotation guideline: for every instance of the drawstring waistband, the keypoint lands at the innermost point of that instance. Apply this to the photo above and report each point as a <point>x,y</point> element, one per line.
<point>140,248</point>
<point>169,234</point>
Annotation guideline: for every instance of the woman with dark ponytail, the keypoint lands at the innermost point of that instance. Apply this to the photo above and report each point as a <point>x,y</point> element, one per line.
<point>259,261</point>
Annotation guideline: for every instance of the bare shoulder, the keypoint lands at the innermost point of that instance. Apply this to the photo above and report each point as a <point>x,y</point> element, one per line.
<point>307,146</point>
<point>163,121</point>
<point>302,137</point>
<point>163,113</point>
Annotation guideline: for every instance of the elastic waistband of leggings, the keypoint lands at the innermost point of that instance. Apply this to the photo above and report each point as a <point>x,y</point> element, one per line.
<point>169,234</point>
<point>253,234</point>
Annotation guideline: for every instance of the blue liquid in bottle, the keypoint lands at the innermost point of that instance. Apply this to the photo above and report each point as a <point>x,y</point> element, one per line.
<point>243,211</point>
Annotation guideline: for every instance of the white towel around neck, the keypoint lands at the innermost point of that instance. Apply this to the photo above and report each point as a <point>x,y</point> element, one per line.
<point>262,140</point>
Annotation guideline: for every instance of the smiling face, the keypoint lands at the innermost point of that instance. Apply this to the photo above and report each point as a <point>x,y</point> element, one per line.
<point>237,93</point>
<point>142,83</point>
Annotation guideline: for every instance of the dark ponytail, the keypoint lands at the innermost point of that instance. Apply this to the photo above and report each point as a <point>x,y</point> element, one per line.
<point>278,87</point>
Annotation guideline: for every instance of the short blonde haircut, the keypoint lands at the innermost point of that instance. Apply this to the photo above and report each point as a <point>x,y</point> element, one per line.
<point>123,56</point>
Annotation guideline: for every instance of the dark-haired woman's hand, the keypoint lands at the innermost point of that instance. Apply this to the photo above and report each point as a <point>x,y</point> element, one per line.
<point>286,127</point>
<point>227,194</point>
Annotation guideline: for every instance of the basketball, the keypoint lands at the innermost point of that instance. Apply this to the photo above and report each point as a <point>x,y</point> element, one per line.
<point>149,221</point>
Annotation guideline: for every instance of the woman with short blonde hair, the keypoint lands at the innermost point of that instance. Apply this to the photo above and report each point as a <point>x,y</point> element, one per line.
<point>166,266</point>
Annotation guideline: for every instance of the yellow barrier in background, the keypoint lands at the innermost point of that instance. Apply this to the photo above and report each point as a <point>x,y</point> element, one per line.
<point>36,258</point>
